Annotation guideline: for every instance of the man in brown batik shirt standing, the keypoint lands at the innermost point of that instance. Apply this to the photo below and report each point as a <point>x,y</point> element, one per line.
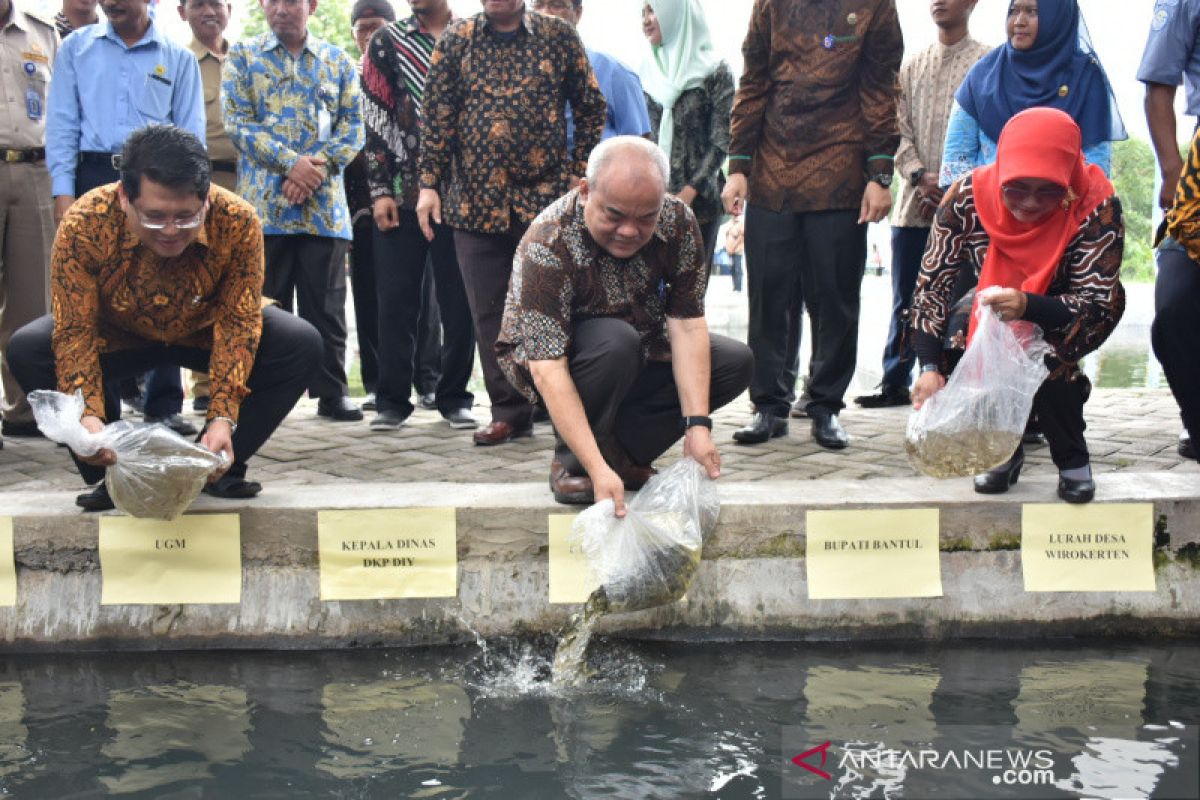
<point>494,154</point>
<point>814,135</point>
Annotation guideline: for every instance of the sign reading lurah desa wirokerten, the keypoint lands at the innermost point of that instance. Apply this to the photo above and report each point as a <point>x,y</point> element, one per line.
<point>873,554</point>
<point>388,553</point>
<point>1094,548</point>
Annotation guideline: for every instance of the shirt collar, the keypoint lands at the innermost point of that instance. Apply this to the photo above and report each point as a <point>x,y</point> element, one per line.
<point>270,41</point>
<point>413,24</point>
<point>16,17</point>
<point>202,51</point>
<point>526,20</point>
<point>105,30</point>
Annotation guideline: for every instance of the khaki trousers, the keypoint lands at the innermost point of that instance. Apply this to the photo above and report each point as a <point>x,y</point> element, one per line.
<point>26,235</point>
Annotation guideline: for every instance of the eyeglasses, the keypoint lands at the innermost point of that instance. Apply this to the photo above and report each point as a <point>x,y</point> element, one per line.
<point>1051,194</point>
<point>182,223</point>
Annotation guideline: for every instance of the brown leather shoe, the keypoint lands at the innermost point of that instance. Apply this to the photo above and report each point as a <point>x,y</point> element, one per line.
<point>634,476</point>
<point>496,432</point>
<point>572,490</point>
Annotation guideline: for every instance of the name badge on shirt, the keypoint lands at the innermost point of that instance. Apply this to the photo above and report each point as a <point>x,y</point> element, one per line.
<point>33,105</point>
<point>324,124</point>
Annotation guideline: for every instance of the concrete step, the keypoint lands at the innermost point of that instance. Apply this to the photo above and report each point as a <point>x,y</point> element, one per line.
<point>751,584</point>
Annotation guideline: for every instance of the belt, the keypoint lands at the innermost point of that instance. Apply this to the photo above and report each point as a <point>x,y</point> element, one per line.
<point>223,166</point>
<point>23,156</point>
<point>103,159</point>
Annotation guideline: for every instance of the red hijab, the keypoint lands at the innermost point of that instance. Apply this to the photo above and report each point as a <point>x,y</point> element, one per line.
<point>1038,143</point>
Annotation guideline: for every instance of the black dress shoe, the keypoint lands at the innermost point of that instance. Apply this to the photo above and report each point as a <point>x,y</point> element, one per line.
<point>888,396</point>
<point>1184,447</point>
<point>762,427</point>
<point>827,430</point>
<point>339,409</point>
<point>1003,477</point>
<point>1074,491</point>
<point>232,487</point>
<point>97,499</point>
<point>19,429</point>
<point>175,422</point>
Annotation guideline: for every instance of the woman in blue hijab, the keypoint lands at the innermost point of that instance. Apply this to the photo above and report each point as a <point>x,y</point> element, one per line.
<point>1048,60</point>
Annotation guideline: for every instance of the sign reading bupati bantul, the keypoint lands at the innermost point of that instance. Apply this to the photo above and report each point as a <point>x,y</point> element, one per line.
<point>382,554</point>
<point>1093,548</point>
<point>873,554</point>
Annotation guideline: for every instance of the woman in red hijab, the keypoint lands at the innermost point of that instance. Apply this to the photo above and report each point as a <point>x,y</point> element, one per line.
<point>1047,228</point>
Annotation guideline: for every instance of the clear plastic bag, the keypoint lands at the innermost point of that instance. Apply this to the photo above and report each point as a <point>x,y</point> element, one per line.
<point>158,473</point>
<point>649,557</point>
<point>975,423</point>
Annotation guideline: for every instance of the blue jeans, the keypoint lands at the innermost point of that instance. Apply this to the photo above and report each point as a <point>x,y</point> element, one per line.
<point>908,246</point>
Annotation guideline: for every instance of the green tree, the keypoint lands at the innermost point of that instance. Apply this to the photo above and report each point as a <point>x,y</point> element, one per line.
<point>1133,175</point>
<point>331,22</point>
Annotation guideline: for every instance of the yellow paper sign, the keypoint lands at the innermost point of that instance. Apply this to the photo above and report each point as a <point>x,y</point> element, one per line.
<point>1094,548</point>
<point>873,554</point>
<point>571,579</point>
<point>8,567</point>
<point>384,554</point>
<point>193,559</point>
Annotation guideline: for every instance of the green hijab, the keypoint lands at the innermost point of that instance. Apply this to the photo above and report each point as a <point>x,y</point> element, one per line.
<point>685,58</point>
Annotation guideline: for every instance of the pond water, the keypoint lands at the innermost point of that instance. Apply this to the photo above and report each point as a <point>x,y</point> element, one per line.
<point>661,720</point>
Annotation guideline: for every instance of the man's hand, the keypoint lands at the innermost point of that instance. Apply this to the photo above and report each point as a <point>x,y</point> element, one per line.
<point>688,195</point>
<point>103,457</point>
<point>1170,182</point>
<point>1010,304</point>
<point>218,438</point>
<point>698,444</point>
<point>429,207</point>
<point>876,203</point>
<point>734,194</point>
<point>309,172</point>
<point>61,203</point>
<point>608,484</point>
<point>386,214</point>
<point>928,384</point>
<point>295,193</point>
<point>930,193</point>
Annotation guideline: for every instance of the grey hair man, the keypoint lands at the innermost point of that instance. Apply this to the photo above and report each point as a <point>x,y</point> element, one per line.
<point>604,326</point>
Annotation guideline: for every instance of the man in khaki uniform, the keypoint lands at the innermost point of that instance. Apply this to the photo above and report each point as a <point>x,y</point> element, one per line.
<point>208,20</point>
<point>28,46</point>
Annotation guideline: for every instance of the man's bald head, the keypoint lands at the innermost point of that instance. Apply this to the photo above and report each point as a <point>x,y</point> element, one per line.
<point>623,193</point>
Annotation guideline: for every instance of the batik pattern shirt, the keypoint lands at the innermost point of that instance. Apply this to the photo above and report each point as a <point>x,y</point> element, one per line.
<point>701,140</point>
<point>109,292</point>
<point>493,140</point>
<point>278,108</point>
<point>1087,282</point>
<point>394,72</point>
<point>561,275</point>
<point>816,107</point>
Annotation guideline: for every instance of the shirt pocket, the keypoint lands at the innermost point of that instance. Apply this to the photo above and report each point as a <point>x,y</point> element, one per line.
<point>154,101</point>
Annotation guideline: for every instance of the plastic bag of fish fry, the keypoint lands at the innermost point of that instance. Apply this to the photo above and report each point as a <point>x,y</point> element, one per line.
<point>975,422</point>
<point>158,473</point>
<point>648,557</point>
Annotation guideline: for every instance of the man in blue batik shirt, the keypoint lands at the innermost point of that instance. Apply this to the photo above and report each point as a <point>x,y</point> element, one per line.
<point>111,79</point>
<point>292,109</point>
<point>1172,57</point>
<point>621,87</point>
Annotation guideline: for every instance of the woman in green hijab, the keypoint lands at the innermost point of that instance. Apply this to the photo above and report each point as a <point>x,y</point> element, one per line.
<point>689,93</point>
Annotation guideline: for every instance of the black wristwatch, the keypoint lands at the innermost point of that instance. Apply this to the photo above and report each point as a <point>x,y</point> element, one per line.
<point>691,422</point>
<point>916,175</point>
<point>884,179</point>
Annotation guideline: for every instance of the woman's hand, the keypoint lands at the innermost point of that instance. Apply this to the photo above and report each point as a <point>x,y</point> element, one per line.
<point>928,384</point>
<point>1008,303</point>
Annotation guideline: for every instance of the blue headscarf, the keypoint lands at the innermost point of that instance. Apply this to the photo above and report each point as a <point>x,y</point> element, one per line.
<point>1007,81</point>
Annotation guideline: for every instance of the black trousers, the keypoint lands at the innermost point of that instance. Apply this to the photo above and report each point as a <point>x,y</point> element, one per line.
<point>1175,333</point>
<point>486,260</point>
<point>427,364</point>
<point>288,352</point>
<point>908,246</point>
<point>638,402</point>
<point>313,270</point>
<point>164,384</point>
<point>812,260</point>
<point>1058,406</point>
<point>400,271</point>
<point>362,293</point>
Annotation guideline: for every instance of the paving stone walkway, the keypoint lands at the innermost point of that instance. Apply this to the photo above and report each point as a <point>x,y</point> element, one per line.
<point>1129,430</point>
